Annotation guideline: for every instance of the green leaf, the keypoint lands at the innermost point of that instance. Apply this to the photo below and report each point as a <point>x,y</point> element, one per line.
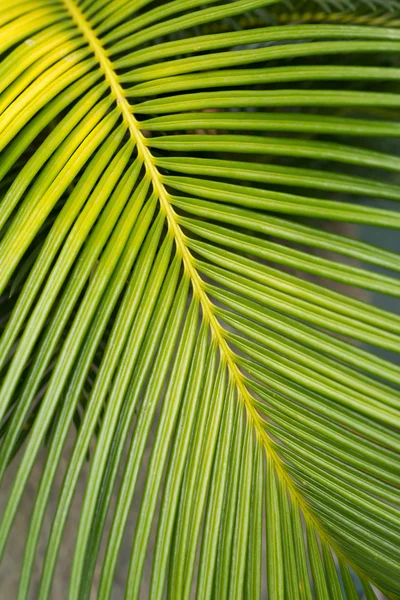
<point>197,199</point>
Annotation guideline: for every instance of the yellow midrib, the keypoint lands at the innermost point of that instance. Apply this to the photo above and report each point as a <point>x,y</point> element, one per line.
<point>198,286</point>
<point>183,251</point>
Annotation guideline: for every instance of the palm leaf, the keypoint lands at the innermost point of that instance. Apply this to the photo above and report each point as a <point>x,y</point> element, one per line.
<point>170,285</point>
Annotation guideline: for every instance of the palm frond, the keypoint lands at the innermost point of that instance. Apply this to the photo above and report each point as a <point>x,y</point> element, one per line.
<point>169,284</point>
